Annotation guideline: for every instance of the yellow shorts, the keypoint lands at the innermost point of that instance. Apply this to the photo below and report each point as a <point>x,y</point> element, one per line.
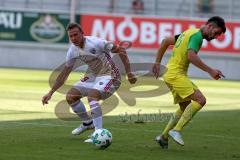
<point>181,87</point>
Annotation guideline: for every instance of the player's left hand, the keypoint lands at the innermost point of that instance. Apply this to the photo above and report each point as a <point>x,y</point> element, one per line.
<point>131,78</point>
<point>219,75</point>
<point>156,70</point>
<point>216,74</point>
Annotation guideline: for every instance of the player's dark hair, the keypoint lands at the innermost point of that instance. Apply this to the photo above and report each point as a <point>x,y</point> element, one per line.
<point>219,21</point>
<point>74,25</point>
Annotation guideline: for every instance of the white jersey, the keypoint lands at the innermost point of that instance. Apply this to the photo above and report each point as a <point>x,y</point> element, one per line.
<point>96,55</point>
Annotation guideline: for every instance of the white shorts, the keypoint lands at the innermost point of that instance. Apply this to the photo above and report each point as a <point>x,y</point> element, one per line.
<point>106,85</point>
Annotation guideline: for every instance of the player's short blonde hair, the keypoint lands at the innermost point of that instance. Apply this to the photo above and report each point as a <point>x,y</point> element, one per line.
<point>74,25</point>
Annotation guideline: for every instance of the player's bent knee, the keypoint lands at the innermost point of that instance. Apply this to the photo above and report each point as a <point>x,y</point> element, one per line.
<point>93,98</point>
<point>202,100</point>
<point>71,98</point>
<point>199,97</point>
<point>94,95</point>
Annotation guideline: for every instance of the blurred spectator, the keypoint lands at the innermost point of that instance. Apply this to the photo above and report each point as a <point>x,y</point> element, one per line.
<point>205,6</point>
<point>111,5</point>
<point>137,6</point>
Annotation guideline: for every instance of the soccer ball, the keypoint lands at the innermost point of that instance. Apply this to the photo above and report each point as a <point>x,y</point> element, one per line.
<point>102,138</point>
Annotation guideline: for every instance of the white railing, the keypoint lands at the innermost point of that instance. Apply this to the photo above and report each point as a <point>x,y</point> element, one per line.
<point>228,9</point>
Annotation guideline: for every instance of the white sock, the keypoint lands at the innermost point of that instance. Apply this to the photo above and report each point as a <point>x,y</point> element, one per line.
<point>79,108</point>
<point>96,112</point>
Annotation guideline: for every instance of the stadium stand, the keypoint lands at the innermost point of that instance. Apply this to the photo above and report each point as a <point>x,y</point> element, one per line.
<point>169,8</point>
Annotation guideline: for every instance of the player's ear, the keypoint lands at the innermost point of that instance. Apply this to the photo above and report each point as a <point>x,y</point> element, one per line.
<point>209,26</point>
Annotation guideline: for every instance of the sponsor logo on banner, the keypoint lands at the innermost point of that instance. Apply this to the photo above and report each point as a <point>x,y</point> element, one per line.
<point>28,26</point>
<point>10,20</point>
<point>47,29</point>
<point>147,33</point>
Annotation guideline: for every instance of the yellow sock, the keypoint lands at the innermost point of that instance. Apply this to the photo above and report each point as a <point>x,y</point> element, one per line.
<point>172,122</point>
<point>187,115</point>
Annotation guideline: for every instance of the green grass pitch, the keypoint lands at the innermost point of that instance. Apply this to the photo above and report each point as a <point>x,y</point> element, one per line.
<point>31,131</point>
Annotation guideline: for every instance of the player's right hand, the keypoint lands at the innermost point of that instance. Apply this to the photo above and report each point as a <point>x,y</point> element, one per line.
<point>156,70</point>
<point>46,98</point>
<point>131,78</point>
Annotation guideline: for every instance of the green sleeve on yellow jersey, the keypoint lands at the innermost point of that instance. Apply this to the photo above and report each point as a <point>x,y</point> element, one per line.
<point>195,41</point>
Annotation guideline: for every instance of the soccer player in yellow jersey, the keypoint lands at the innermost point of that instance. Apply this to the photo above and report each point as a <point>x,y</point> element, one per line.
<point>185,92</point>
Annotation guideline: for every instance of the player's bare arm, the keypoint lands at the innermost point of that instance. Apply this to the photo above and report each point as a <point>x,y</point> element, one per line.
<point>124,58</point>
<point>195,60</point>
<point>58,83</point>
<point>164,46</point>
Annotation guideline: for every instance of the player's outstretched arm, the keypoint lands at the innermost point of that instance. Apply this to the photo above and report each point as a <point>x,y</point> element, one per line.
<point>124,58</point>
<point>195,60</point>
<point>163,47</point>
<point>58,83</point>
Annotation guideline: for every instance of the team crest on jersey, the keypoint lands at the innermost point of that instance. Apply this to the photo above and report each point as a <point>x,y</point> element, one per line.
<point>93,50</point>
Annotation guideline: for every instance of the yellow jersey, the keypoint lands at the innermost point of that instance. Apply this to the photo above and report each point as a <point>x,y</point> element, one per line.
<point>178,63</point>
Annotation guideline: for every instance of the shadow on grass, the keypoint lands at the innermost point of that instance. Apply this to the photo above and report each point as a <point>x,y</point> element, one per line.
<point>214,134</point>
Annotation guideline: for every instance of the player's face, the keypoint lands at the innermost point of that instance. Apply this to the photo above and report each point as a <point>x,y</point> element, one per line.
<point>213,32</point>
<point>75,36</point>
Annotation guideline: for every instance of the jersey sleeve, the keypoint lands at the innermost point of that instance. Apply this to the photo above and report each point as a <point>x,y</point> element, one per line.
<point>195,42</point>
<point>105,45</point>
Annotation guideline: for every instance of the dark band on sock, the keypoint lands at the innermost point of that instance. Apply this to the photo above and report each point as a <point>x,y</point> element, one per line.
<point>87,124</point>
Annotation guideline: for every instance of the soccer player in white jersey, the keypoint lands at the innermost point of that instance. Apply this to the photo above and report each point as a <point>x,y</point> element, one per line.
<point>101,80</point>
